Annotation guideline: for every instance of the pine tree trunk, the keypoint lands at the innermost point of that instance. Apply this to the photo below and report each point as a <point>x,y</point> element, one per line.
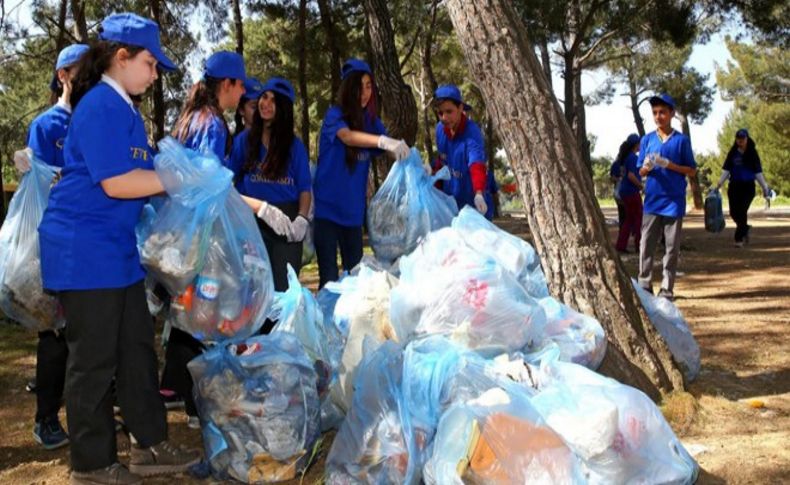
<point>568,227</point>
<point>545,60</point>
<point>325,9</point>
<point>80,24</point>
<point>303,75</point>
<point>633,96</point>
<point>399,110</point>
<point>429,79</point>
<point>60,43</point>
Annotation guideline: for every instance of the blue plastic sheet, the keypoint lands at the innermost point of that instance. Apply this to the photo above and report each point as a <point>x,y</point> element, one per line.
<point>22,297</point>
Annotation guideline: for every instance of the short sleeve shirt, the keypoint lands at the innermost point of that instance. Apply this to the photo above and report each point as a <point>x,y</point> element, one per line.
<point>458,153</point>
<point>629,166</point>
<point>665,190</point>
<point>208,136</point>
<point>47,134</point>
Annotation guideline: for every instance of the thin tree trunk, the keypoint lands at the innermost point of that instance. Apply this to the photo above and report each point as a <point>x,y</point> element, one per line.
<point>238,30</point>
<point>568,226</point>
<point>429,78</point>
<point>159,89</point>
<point>325,9</point>
<point>580,120</point>
<point>633,96</point>
<point>60,43</point>
<point>399,110</point>
<point>545,60</point>
<point>696,187</point>
<point>303,75</point>
<point>80,24</point>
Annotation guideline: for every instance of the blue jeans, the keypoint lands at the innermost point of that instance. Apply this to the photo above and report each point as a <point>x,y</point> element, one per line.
<point>327,237</point>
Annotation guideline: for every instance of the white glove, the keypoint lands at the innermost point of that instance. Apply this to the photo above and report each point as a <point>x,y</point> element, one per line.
<point>22,159</point>
<point>298,229</point>
<point>480,204</point>
<point>399,148</point>
<point>648,163</point>
<point>662,162</point>
<point>275,218</point>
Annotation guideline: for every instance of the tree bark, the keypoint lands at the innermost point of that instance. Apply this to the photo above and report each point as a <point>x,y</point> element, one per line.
<point>545,60</point>
<point>429,82</point>
<point>60,43</point>
<point>580,120</point>
<point>80,24</point>
<point>303,75</point>
<point>568,227</point>
<point>696,187</point>
<point>238,25</point>
<point>159,89</point>
<point>399,110</point>
<point>325,9</point>
<point>633,96</point>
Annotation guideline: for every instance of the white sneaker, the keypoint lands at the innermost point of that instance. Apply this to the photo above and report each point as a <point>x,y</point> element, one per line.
<point>193,422</point>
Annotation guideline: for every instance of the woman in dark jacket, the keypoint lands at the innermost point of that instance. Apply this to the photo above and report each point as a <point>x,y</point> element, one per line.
<point>742,167</point>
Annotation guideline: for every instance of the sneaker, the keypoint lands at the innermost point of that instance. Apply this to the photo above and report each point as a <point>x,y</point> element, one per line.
<point>738,244</point>
<point>172,399</point>
<point>163,458</point>
<point>30,386</point>
<point>115,474</point>
<point>50,434</point>
<point>193,422</point>
<point>666,294</point>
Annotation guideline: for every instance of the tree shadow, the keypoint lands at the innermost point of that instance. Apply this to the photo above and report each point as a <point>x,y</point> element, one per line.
<point>716,380</point>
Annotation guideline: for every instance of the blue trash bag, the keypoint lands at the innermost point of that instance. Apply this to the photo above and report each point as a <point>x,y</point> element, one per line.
<point>580,338</point>
<point>308,245</point>
<point>376,443</point>
<point>298,313</point>
<point>714,215</point>
<point>228,276</point>
<point>448,288</point>
<point>259,408</point>
<point>513,253</point>
<point>407,207</point>
<point>22,296</point>
<point>669,322</point>
<point>616,430</point>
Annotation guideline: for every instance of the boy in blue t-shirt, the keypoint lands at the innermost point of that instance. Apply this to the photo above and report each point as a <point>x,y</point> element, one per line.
<point>665,160</point>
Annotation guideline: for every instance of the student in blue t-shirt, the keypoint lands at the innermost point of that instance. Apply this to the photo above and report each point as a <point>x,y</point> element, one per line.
<point>742,166</point>
<point>248,105</point>
<point>629,188</point>
<point>270,164</point>
<point>45,139</point>
<point>89,259</point>
<point>350,136</point>
<point>665,160</point>
<point>460,144</point>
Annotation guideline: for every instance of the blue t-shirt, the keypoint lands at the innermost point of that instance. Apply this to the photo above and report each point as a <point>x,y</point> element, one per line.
<point>616,170</point>
<point>458,153</point>
<point>340,194</point>
<point>665,190</point>
<point>253,184</point>
<point>87,238</point>
<point>209,136</point>
<point>739,171</point>
<point>47,134</point>
<point>629,166</point>
<point>491,188</point>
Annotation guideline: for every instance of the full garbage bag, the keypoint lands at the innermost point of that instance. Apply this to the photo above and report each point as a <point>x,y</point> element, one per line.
<point>513,253</point>
<point>616,430</point>
<point>407,207</point>
<point>226,270</point>
<point>297,313</point>
<point>258,406</point>
<point>22,297</point>
<point>714,215</point>
<point>581,339</point>
<point>669,322</point>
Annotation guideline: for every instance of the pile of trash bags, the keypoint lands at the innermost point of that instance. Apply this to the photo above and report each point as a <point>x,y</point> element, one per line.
<point>406,207</point>
<point>259,407</point>
<point>22,297</point>
<point>203,245</point>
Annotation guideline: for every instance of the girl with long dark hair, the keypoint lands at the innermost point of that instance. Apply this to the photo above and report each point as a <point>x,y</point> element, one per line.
<point>350,136</point>
<point>629,193</point>
<point>89,259</point>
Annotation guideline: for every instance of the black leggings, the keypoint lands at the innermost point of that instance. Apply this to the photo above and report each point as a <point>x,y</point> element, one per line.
<point>741,195</point>
<point>327,237</point>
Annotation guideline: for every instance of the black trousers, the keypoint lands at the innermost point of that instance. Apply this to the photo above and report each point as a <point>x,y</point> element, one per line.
<point>741,195</point>
<point>181,348</point>
<point>620,212</point>
<point>51,355</point>
<point>327,237</point>
<point>110,334</point>
<point>281,252</point>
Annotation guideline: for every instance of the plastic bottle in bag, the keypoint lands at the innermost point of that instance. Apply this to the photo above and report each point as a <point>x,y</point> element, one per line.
<point>205,305</point>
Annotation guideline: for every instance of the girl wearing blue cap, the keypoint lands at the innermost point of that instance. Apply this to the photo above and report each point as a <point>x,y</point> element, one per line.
<point>45,141</point>
<point>271,164</point>
<point>247,106</point>
<point>89,259</point>
<point>629,192</point>
<point>742,166</point>
<point>350,134</point>
<point>460,144</point>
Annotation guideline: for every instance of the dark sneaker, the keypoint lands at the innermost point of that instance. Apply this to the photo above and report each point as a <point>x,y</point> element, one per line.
<point>115,474</point>
<point>666,294</point>
<point>50,434</point>
<point>161,459</point>
<point>172,399</point>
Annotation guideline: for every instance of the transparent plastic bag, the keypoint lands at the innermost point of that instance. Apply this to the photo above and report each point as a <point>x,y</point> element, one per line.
<point>513,253</point>
<point>581,339</point>
<point>407,207</point>
<point>714,215</point>
<point>22,296</point>
<point>669,322</point>
<point>258,407</point>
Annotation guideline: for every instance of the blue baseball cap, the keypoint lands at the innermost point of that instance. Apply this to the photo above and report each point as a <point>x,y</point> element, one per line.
<point>66,58</point>
<point>451,92</point>
<point>662,98</point>
<point>282,86</point>
<point>632,139</point>
<point>253,89</point>
<point>742,133</point>
<point>132,29</point>
<point>225,64</point>
<point>354,65</point>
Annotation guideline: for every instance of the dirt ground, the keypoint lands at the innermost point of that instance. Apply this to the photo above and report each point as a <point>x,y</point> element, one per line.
<point>737,303</point>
